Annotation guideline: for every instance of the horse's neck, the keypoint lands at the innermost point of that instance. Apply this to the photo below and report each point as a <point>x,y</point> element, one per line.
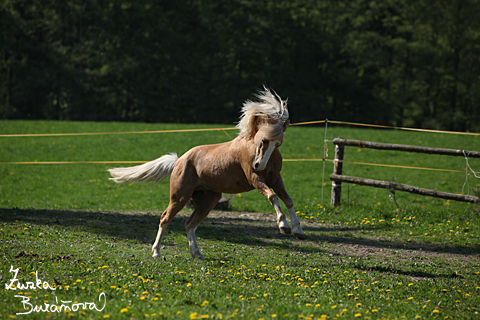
<point>244,146</point>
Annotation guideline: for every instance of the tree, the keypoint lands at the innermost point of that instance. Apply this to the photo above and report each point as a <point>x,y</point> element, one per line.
<point>388,62</point>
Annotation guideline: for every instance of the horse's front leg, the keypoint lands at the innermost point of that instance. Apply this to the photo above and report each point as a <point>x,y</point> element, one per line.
<point>282,221</point>
<point>279,188</point>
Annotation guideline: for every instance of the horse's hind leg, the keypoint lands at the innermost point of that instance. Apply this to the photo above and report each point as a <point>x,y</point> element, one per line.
<point>182,184</point>
<point>204,202</point>
<point>167,216</point>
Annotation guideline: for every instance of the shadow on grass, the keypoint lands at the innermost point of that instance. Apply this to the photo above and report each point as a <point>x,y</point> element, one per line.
<point>143,228</point>
<point>411,273</point>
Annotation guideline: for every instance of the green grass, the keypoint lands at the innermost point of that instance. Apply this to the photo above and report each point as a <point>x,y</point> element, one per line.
<point>364,260</point>
<point>87,187</point>
<point>341,270</point>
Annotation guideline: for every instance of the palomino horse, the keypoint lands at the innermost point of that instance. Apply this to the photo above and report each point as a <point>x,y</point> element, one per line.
<point>250,161</point>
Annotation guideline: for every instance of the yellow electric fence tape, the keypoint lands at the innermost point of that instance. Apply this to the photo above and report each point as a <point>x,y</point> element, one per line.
<point>75,162</point>
<point>377,164</point>
<point>104,133</point>
<point>309,122</point>
<point>230,128</point>
<point>286,160</point>
<point>402,128</point>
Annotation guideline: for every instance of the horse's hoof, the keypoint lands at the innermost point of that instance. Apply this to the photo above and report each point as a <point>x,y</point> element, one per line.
<point>285,230</point>
<point>299,236</point>
<point>156,253</point>
<point>197,255</point>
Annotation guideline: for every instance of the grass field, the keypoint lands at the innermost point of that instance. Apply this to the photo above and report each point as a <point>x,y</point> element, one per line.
<point>365,260</point>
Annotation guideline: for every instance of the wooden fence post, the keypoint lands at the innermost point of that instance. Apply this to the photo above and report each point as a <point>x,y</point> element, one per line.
<point>337,169</point>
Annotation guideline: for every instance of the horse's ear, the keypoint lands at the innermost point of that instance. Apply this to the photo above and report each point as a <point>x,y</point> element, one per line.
<point>286,124</point>
<point>254,127</point>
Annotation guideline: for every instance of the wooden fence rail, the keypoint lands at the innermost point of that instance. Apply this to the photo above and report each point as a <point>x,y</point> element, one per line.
<point>404,147</point>
<point>337,177</point>
<point>403,187</point>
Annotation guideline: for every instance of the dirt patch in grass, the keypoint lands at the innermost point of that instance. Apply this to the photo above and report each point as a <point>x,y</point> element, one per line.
<point>324,238</point>
<point>345,241</point>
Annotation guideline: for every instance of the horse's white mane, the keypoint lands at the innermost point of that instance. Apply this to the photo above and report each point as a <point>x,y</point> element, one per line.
<point>270,106</point>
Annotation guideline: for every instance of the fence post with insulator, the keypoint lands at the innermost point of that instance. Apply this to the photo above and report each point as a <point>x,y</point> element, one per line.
<point>337,169</point>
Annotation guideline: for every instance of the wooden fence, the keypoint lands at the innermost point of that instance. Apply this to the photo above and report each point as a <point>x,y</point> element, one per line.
<point>337,177</point>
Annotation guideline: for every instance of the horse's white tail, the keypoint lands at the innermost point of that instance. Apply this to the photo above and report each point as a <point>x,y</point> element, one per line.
<point>155,170</point>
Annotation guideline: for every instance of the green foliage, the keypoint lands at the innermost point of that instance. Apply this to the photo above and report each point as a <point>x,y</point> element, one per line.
<point>390,62</point>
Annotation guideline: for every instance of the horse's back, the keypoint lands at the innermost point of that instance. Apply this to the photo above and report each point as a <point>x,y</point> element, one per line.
<point>218,167</point>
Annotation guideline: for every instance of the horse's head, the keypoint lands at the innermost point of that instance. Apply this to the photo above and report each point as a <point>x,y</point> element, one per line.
<point>268,138</point>
<point>264,122</point>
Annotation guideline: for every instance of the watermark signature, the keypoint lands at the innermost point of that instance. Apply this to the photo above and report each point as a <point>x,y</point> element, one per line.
<point>16,284</point>
<point>59,306</point>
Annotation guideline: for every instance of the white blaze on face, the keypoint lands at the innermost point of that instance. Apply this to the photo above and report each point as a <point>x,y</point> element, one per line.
<point>266,155</point>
